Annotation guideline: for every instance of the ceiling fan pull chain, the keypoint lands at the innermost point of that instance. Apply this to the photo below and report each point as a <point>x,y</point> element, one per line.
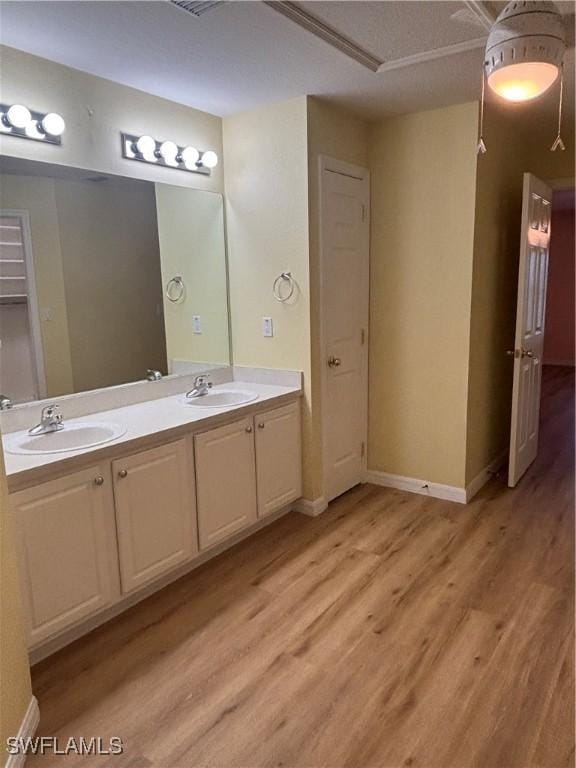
<point>559,144</point>
<point>481,147</point>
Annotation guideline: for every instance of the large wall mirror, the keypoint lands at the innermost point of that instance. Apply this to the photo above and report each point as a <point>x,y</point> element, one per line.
<point>103,278</point>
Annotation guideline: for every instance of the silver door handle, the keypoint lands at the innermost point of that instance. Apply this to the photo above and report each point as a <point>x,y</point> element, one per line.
<point>527,353</point>
<point>334,362</point>
<point>519,353</point>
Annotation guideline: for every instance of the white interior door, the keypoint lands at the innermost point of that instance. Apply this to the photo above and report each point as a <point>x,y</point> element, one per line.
<point>530,314</point>
<point>344,282</point>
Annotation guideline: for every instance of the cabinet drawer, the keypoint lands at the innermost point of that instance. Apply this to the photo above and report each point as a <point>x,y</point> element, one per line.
<point>226,481</point>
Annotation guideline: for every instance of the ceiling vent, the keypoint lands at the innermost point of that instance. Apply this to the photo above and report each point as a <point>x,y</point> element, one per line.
<point>199,7</point>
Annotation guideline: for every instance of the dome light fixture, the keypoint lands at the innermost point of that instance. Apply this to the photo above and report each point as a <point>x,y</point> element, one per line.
<point>524,54</point>
<point>209,159</point>
<point>53,123</point>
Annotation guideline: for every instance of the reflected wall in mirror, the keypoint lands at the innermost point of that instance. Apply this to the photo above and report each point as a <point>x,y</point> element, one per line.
<point>86,264</point>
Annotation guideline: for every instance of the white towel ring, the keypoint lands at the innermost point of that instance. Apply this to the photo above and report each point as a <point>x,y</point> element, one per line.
<point>175,289</point>
<point>284,277</point>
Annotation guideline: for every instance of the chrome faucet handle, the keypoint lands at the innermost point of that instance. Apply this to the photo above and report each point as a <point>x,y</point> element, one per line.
<point>202,381</point>
<point>5,403</point>
<point>51,413</point>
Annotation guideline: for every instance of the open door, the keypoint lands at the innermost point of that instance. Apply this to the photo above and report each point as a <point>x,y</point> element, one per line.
<point>530,314</point>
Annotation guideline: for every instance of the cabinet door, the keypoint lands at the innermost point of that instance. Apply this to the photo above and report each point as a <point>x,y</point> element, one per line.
<point>226,481</point>
<point>278,458</point>
<point>67,545</point>
<point>155,512</point>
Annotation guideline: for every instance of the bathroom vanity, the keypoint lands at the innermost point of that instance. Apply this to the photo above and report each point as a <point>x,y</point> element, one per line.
<point>100,528</point>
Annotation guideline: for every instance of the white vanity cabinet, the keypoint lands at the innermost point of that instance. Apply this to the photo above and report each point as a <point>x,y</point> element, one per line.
<point>155,512</point>
<point>278,458</point>
<point>67,546</point>
<point>225,481</point>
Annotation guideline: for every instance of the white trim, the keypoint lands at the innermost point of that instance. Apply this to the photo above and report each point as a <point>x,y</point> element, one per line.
<point>436,53</point>
<point>27,729</point>
<point>311,508</point>
<point>484,475</point>
<point>414,485</point>
<point>326,163</point>
<point>33,311</point>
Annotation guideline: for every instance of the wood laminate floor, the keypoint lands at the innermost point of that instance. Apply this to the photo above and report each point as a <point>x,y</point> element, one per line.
<point>394,630</point>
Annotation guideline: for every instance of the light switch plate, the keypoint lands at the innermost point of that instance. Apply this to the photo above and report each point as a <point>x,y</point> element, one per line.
<point>267,326</point>
<point>196,324</point>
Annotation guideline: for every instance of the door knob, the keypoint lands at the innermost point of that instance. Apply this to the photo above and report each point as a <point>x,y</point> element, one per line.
<point>334,362</point>
<point>123,473</point>
<point>99,480</point>
<point>527,353</point>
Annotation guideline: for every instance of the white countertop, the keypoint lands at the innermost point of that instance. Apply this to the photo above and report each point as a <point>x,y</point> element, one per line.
<point>146,419</point>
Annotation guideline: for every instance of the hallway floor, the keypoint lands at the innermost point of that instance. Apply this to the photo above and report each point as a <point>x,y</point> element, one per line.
<point>394,630</point>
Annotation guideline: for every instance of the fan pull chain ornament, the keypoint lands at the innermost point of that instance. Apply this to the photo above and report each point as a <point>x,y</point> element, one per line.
<point>481,146</point>
<point>558,143</point>
<point>523,57</point>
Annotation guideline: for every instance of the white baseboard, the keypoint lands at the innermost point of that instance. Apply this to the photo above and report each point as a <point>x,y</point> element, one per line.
<point>414,485</point>
<point>27,729</point>
<point>310,507</point>
<point>482,477</point>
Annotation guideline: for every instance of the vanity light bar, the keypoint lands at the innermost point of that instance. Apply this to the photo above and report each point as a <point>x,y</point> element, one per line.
<point>167,153</point>
<point>18,120</point>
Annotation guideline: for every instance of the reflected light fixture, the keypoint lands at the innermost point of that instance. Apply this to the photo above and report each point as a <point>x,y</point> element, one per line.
<point>187,158</point>
<point>524,53</point>
<point>18,120</point>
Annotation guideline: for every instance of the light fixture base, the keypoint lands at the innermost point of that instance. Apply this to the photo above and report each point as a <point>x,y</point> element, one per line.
<point>129,141</point>
<point>9,130</point>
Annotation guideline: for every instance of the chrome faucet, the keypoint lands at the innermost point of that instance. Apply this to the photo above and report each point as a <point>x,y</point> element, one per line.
<point>152,375</point>
<point>5,403</point>
<point>50,421</point>
<point>202,386</point>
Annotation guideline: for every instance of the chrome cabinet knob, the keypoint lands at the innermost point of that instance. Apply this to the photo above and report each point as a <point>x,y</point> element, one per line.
<point>123,473</point>
<point>527,353</point>
<point>99,480</point>
<point>248,429</point>
<point>261,425</point>
<point>334,362</point>
<point>511,352</point>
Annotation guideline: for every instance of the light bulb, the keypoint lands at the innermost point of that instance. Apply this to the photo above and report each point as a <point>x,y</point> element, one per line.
<point>32,131</point>
<point>146,146</point>
<point>209,159</point>
<point>169,151</point>
<point>190,157</point>
<point>18,116</point>
<point>524,81</point>
<point>53,124</point>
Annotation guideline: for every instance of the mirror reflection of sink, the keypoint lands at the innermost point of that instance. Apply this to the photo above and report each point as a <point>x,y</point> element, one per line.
<point>220,398</point>
<point>77,436</point>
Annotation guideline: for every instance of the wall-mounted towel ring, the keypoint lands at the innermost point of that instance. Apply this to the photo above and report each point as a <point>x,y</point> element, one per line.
<point>284,277</point>
<point>175,289</point>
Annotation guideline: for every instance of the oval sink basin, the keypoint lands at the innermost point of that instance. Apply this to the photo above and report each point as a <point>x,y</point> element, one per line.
<point>73,437</point>
<point>220,398</point>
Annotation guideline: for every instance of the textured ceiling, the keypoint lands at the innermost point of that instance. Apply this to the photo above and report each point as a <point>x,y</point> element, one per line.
<point>241,54</point>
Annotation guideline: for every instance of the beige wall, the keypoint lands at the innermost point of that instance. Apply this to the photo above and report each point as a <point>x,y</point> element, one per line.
<point>37,196</point>
<point>265,153</point>
<point>192,244</point>
<point>423,170</point>
<point>518,140</point>
<point>96,111</point>
<point>15,687</point>
<point>342,136</point>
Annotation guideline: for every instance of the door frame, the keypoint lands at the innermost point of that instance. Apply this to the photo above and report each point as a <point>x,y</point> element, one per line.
<point>33,309</point>
<point>331,164</point>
